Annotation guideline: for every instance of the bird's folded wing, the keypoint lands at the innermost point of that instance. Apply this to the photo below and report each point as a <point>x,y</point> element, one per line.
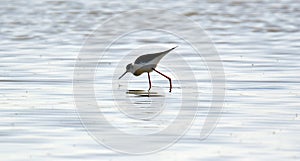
<point>152,58</point>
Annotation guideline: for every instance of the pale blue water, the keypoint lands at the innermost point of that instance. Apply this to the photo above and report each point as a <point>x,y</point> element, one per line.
<point>258,42</point>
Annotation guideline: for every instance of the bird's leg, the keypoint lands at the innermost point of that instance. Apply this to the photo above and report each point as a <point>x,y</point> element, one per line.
<point>165,77</point>
<point>149,81</point>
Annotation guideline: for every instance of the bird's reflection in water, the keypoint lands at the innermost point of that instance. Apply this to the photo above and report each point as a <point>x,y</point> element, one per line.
<point>144,93</point>
<point>143,105</point>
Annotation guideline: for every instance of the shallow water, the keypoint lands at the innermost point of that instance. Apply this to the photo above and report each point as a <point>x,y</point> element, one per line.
<point>258,42</point>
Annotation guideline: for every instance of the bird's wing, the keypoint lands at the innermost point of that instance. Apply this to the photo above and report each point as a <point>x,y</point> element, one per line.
<point>152,58</point>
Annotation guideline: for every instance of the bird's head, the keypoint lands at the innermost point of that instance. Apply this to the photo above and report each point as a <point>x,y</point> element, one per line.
<point>129,68</point>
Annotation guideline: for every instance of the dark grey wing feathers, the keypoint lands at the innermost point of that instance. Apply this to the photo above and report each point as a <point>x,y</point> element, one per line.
<point>145,58</point>
<point>150,57</point>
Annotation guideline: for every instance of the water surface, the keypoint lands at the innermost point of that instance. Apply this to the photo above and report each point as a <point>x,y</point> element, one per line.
<point>258,42</point>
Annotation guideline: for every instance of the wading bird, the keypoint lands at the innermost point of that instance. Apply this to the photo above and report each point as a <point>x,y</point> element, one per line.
<point>147,63</point>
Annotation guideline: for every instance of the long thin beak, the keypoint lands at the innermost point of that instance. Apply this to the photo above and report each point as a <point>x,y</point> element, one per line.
<point>122,75</point>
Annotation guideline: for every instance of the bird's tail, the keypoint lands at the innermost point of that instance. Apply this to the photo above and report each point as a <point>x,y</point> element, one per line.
<point>167,51</point>
<point>172,48</point>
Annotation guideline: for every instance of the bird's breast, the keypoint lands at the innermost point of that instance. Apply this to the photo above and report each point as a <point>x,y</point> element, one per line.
<point>139,72</point>
<point>143,69</point>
